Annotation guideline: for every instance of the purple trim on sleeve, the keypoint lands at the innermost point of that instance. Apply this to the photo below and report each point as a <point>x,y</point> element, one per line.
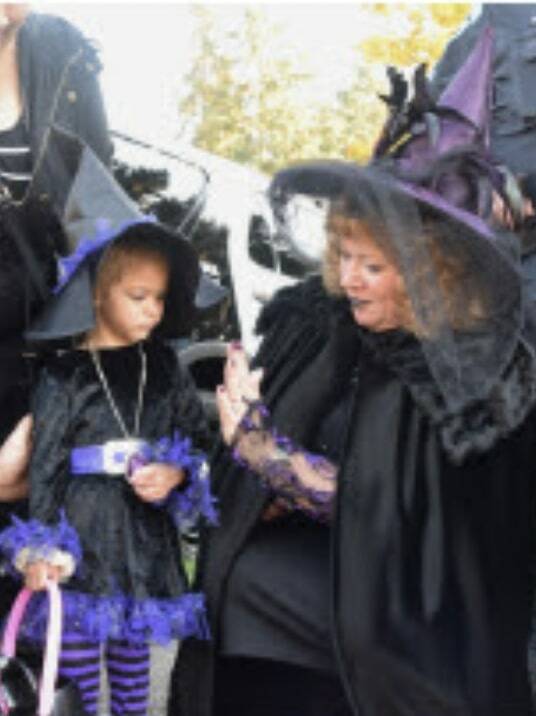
<point>194,500</point>
<point>40,538</point>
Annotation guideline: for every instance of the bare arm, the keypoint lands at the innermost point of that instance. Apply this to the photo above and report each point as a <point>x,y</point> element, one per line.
<point>14,459</point>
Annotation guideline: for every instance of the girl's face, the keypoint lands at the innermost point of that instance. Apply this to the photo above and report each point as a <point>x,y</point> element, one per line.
<point>129,309</point>
<point>372,283</point>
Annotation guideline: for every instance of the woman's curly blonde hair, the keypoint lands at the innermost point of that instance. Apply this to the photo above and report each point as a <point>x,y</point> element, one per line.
<point>462,303</point>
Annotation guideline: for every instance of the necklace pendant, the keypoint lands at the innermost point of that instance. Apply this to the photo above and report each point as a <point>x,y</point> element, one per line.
<point>109,397</point>
<point>120,457</point>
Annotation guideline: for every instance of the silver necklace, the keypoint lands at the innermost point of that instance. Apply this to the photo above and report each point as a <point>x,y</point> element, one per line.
<point>108,393</point>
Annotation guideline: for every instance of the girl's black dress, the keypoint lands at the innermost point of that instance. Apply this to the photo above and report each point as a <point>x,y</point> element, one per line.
<point>130,582</point>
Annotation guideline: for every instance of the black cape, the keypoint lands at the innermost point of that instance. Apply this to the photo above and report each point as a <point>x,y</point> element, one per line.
<point>432,540</point>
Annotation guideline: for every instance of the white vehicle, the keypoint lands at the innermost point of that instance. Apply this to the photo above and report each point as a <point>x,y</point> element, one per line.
<point>260,258</point>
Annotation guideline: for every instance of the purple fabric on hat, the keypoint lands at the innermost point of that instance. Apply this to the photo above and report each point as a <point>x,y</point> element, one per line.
<point>420,152</point>
<point>105,232</point>
<point>468,95</point>
<point>469,91</point>
<point>436,201</point>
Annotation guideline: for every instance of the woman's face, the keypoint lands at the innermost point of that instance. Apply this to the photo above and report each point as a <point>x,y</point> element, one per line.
<point>372,284</point>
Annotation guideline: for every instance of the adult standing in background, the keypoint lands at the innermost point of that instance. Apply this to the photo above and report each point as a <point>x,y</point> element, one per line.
<point>48,77</point>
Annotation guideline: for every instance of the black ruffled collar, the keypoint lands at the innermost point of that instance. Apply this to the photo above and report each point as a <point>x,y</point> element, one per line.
<point>473,429</point>
<point>401,351</point>
<point>479,424</point>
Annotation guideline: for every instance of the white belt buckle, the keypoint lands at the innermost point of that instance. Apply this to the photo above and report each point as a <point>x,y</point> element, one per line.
<point>117,453</point>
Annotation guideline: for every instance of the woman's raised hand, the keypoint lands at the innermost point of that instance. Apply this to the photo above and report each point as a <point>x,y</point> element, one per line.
<point>241,386</point>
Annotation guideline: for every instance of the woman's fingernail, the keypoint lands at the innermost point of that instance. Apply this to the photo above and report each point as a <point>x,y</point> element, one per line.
<point>236,345</point>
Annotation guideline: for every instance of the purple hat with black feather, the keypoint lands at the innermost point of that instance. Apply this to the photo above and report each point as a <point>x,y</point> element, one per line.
<point>440,150</point>
<point>430,184</point>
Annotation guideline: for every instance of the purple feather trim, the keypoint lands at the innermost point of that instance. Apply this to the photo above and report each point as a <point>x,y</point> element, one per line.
<point>195,500</point>
<point>99,618</point>
<point>40,538</point>
<point>105,232</point>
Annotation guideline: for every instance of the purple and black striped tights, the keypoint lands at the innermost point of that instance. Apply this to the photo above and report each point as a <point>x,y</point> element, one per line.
<point>128,674</point>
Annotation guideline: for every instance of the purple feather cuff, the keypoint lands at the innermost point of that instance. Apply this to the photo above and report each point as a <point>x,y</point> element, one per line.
<point>37,540</point>
<point>194,500</point>
<point>101,617</point>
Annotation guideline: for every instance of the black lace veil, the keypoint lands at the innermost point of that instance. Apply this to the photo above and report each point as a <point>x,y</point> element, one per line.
<point>462,280</point>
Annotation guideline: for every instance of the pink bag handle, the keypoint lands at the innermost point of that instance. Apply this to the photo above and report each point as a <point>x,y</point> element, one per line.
<point>52,645</point>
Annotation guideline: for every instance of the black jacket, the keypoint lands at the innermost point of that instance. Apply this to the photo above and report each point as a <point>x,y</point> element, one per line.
<point>59,70</point>
<point>432,538</point>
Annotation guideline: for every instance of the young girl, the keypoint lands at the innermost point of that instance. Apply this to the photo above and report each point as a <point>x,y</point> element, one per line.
<point>113,470</point>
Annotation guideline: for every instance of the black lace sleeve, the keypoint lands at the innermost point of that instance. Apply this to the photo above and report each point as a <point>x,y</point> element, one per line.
<point>301,480</point>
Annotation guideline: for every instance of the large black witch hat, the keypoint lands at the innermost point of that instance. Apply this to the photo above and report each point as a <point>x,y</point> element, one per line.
<point>426,187</point>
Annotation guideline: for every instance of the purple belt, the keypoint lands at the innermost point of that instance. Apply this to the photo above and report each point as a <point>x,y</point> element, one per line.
<point>115,457</point>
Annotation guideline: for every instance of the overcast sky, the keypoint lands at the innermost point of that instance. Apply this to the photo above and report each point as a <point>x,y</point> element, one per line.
<point>146,49</point>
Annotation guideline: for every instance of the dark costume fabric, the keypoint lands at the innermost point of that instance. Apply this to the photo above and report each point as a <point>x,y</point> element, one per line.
<point>513,126</point>
<point>58,70</point>
<point>429,579</point>
<point>59,77</point>
<point>130,548</point>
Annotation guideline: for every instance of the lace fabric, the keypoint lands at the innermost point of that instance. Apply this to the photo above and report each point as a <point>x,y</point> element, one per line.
<point>301,480</point>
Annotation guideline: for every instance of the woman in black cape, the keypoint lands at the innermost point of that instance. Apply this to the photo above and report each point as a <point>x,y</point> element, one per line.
<point>377,503</point>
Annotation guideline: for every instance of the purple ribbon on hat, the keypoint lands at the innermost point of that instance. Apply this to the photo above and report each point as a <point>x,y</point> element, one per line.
<point>105,232</point>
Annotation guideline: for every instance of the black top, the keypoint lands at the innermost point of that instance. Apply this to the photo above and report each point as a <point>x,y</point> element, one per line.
<point>15,159</point>
<point>58,73</point>
<point>277,603</point>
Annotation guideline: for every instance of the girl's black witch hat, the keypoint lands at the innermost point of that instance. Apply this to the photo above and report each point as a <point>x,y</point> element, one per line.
<point>97,212</point>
